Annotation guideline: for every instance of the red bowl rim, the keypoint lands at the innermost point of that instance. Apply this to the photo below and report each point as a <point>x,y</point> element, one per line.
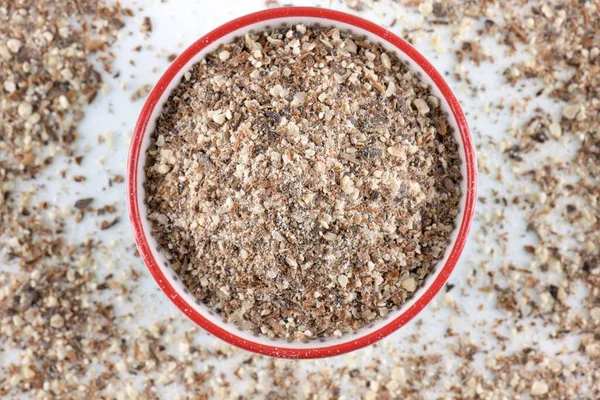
<point>132,188</point>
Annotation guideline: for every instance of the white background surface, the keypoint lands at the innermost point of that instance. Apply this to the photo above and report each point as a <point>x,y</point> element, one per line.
<point>177,24</point>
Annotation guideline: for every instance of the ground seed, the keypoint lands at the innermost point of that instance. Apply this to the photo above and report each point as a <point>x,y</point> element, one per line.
<point>319,186</point>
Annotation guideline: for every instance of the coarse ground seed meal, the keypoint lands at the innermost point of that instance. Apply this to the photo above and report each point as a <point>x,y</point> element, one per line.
<point>302,182</point>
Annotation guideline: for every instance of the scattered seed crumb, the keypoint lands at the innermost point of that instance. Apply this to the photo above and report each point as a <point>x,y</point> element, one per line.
<point>141,93</point>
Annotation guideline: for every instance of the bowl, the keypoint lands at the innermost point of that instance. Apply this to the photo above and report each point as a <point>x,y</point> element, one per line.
<point>167,279</point>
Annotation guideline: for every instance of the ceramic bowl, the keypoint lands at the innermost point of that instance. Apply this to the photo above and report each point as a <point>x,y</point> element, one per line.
<point>167,279</point>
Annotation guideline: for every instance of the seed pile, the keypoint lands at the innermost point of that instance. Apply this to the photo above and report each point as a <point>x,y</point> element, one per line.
<point>302,182</point>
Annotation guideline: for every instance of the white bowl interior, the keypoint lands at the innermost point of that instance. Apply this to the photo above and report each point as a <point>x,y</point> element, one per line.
<point>170,275</point>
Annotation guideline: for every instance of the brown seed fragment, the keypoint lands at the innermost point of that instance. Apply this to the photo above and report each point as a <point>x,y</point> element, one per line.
<point>82,204</point>
<point>146,25</point>
<point>108,224</point>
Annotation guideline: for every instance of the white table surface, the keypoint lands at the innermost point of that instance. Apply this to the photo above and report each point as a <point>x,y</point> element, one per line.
<point>178,23</point>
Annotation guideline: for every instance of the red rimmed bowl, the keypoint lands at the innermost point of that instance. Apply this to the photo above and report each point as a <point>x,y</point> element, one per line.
<point>166,277</point>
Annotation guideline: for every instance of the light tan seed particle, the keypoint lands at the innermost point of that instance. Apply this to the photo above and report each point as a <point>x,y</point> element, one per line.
<point>14,45</point>
<point>330,236</point>
<point>18,321</point>
<point>163,169</point>
<point>63,102</point>
<point>57,321</point>
<point>385,60</point>
<point>160,218</point>
<point>421,106</point>
<point>350,46</point>
<point>66,74</point>
<point>398,374</point>
<point>589,246</point>
<point>555,129</point>
<point>325,219</point>
<point>433,101</point>
<point>220,80</point>
<point>28,159</point>
<point>224,55</point>
<point>411,148</point>
<point>121,366</point>
<point>397,151</point>
<point>343,280</point>
<point>547,10</point>
<point>298,99</point>
<point>48,36</point>
<point>309,153</point>
<point>168,156</point>
<point>378,278</point>
<point>391,89</point>
<point>219,117</point>
<point>570,111</point>
<point>5,54</point>
<point>425,8</point>
<point>539,388</point>
<point>409,284</point>
<point>308,46</point>
<point>272,273</point>
<point>24,110</point>
<point>595,314</point>
<point>276,90</point>
<point>592,349</point>
<point>10,86</point>
<point>28,372</point>
<point>251,44</point>
<point>51,301</point>
<point>349,189</point>
<point>34,118</point>
<point>338,78</point>
<point>291,262</point>
<point>64,31</point>
<point>308,198</point>
<point>277,236</point>
<point>394,185</point>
